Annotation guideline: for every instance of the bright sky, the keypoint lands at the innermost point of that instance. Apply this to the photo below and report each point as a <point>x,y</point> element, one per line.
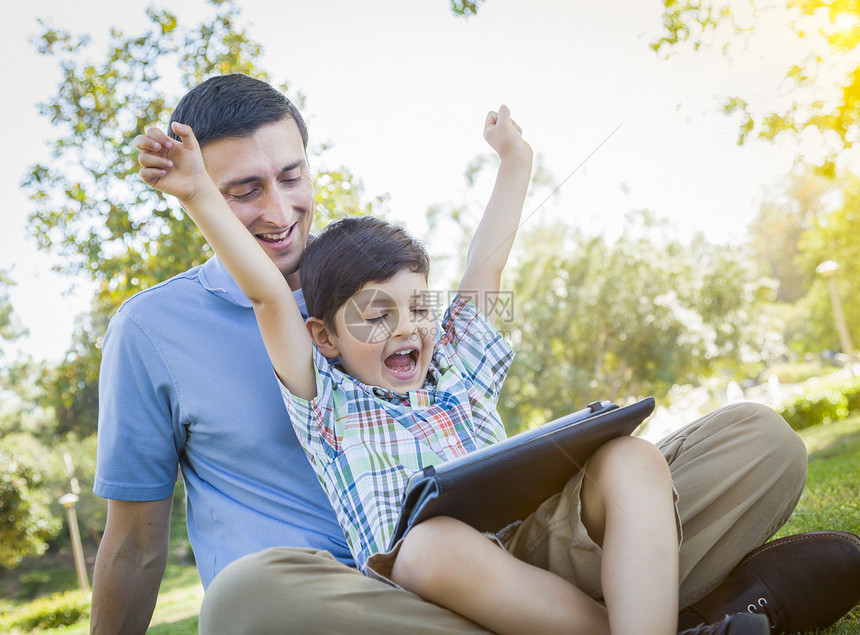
<point>401,88</point>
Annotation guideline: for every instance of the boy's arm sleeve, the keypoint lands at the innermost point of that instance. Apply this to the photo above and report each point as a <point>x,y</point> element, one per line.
<point>139,436</point>
<point>314,421</point>
<point>478,348</point>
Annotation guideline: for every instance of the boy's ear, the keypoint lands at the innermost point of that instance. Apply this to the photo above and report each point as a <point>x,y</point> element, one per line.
<point>322,337</point>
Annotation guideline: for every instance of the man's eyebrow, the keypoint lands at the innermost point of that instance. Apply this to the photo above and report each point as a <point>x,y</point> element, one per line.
<point>253,179</point>
<point>292,166</point>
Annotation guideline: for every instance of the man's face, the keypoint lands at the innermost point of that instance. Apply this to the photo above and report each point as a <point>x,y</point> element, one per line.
<point>266,182</point>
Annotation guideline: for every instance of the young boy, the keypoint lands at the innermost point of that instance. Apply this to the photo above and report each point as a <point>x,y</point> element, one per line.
<point>398,400</point>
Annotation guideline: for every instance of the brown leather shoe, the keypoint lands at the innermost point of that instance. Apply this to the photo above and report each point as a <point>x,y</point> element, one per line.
<point>800,582</point>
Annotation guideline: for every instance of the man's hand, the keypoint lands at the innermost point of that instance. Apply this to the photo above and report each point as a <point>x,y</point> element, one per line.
<point>505,136</point>
<point>174,167</point>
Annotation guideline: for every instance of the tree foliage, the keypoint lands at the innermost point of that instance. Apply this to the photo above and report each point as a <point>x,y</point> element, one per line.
<point>596,319</point>
<point>26,524</point>
<point>465,8</point>
<point>10,327</point>
<point>827,32</point>
<point>15,373</point>
<point>833,236</point>
<point>807,221</point>
<point>783,218</point>
<point>91,209</point>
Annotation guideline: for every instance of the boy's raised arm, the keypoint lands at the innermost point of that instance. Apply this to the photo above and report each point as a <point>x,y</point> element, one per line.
<point>177,168</point>
<point>491,244</point>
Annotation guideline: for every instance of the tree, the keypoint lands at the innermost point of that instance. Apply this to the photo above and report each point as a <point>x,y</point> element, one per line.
<point>833,236</point>
<point>70,388</point>
<point>465,8</point>
<point>829,34</point>
<point>16,375</point>
<point>10,330</point>
<point>26,523</point>
<point>596,319</point>
<point>593,318</point>
<point>781,221</point>
<point>90,207</point>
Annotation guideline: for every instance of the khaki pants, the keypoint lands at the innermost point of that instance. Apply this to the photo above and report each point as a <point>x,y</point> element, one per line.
<point>739,473</point>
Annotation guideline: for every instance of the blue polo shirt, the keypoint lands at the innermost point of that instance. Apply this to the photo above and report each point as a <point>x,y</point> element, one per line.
<point>186,381</point>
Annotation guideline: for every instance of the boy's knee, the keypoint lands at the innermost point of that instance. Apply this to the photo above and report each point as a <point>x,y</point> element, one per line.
<point>427,554</point>
<point>626,453</point>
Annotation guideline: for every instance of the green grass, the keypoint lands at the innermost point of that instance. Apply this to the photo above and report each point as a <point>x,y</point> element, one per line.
<point>831,500</point>
<point>178,604</point>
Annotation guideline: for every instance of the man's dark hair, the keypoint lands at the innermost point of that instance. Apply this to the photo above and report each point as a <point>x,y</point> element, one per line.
<point>233,106</point>
<point>351,253</point>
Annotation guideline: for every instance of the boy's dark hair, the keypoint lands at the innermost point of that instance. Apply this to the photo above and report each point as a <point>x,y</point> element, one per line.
<point>351,253</point>
<point>233,106</point>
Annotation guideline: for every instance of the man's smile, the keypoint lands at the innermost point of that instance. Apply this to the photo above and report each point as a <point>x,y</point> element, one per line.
<point>274,238</point>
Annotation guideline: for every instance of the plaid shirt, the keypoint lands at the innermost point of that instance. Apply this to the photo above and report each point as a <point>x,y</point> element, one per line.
<point>365,442</point>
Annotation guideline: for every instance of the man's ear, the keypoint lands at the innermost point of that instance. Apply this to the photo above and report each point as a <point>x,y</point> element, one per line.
<point>322,337</point>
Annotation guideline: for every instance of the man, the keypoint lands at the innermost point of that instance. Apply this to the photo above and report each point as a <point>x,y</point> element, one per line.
<point>186,383</point>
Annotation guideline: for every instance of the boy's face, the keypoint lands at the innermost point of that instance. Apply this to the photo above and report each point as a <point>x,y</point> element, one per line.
<point>386,331</point>
<point>266,182</point>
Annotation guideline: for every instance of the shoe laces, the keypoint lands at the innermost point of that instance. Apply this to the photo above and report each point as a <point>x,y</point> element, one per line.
<point>720,628</point>
<point>760,606</point>
<point>737,624</point>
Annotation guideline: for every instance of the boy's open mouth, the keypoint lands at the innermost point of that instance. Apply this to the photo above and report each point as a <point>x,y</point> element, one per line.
<point>402,361</point>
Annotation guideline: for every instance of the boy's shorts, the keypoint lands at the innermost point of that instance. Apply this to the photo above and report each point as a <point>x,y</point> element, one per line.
<point>552,538</point>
